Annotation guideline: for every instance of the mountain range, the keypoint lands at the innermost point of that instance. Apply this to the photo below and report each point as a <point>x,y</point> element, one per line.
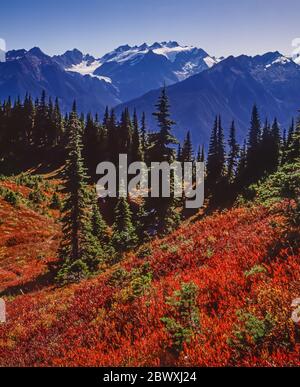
<point>200,86</point>
<point>230,88</point>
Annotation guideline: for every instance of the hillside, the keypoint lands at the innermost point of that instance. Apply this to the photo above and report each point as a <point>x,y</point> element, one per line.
<point>234,283</point>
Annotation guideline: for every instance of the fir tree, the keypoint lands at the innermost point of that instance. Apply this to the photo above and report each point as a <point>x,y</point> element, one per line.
<point>275,148</point>
<point>99,226</point>
<point>179,153</point>
<point>254,167</point>
<point>293,151</point>
<point>187,150</point>
<point>124,233</point>
<point>201,154</point>
<point>241,168</point>
<point>137,152</point>
<point>161,149</point>
<point>91,144</point>
<point>125,134</point>
<point>216,157</point>
<point>233,155</point>
<point>80,252</point>
<point>143,135</point>
<point>161,146</point>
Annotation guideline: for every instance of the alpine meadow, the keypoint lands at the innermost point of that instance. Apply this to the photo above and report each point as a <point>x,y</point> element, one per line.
<point>150,192</point>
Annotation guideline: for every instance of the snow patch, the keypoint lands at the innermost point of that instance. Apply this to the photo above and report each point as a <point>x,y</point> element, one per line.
<point>172,52</point>
<point>281,60</point>
<point>210,62</point>
<point>86,68</point>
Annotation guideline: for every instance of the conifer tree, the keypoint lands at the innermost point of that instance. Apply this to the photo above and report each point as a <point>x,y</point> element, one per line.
<point>137,153</point>
<point>161,149</point>
<point>293,151</point>
<point>179,153</point>
<point>254,167</point>
<point>28,120</point>
<point>57,123</point>
<point>91,144</point>
<point>106,118</point>
<point>187,150</point>
<point>201,154</point>
<point>80,252</point>
<point>275,141</point>
<point>143,135</point>
<point>233,154</point>
<point>99,226</point>
<point>124,234</point>
<point>241,168</point>
<point>216,157</point>
<point>141,224</point>
<point>112,136</point>
<point>125,134</point>
<point>221,149</point>
<point>162,141</point>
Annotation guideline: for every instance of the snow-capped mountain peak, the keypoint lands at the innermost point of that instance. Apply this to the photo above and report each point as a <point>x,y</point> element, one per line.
<point>168,49</point>
<point>159,62</point>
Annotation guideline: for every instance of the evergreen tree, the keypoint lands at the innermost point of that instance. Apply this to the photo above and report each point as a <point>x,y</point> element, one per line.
<point>187,150</point>
<point>241,168</point>
<point>275,148</point>
<point>179,154</point>
<point>254,168</point>
<point>233,155</point>
<point>221,149</point>
<point>57,123</point>
<point>124,234</point>
<point>28,120</point>
<point>201,154</point>
<point>125,134</point>
<point>137,152</point>
<point>112,137</point>
<point>144,135</point>
<point>91,144</point>
<point>216,157</point>
<point>293,150</point>
<point>80,252</point>
<point>106,119</point>
<point>161,146</point>
<point>161,149</point>
<point>141,224</point>
<point>99,226</point>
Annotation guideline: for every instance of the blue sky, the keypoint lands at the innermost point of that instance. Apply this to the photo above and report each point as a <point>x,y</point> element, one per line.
<point>98,26</point>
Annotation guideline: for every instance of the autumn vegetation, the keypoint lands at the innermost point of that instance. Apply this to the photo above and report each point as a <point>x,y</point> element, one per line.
<point>87,284</point>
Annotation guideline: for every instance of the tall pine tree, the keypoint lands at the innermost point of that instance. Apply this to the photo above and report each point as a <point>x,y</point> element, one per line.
<point>233,155</point>
<point>80,252</point>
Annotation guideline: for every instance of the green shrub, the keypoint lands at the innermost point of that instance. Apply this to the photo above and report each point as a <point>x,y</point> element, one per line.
<point>55,202</point>
<point>118,277</point>
<point>144,252</point>
<point>37,196</point>
<point>284,184</point>
<point>257,269</point>
<point>184,321</point>
<point>12,198</point>
<point>29,181</point>
<point>250,330</point>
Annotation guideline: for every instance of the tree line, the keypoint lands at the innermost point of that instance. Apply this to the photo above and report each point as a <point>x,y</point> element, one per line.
<point>37,132</point>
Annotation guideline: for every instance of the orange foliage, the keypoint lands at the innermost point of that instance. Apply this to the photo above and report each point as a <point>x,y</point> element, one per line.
<point>243,299</point>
